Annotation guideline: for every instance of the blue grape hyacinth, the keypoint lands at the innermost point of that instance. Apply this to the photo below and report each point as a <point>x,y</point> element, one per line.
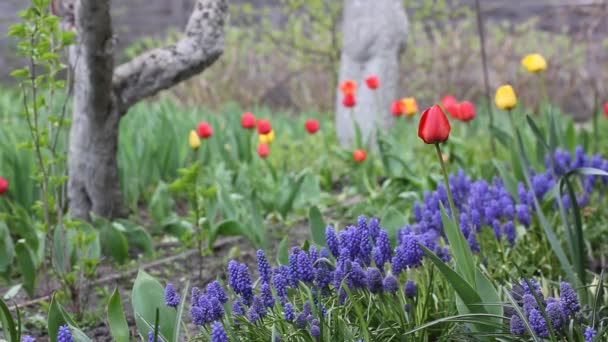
<point>171,297</point>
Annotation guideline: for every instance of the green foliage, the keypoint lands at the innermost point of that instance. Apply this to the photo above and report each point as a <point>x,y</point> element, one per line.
<point>148,297</point>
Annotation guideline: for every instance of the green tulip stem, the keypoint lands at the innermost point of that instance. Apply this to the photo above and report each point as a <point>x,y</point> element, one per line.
<point>447,183</point>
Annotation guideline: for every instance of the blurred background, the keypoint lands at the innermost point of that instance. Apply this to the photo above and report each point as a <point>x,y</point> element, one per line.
<point>284,53</point>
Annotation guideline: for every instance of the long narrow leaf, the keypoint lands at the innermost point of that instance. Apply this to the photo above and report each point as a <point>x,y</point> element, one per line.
<point>465,264</point>
<point>116,318</point>
<point>553,241</point>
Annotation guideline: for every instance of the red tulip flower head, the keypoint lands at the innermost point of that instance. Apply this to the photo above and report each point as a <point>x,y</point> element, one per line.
<point>263,150</point>
<point>434,125</point>
<point>349,100</point>
<point>312,126</point>
<point>397,108</point>
<point>248,120</point>
<point>264,126</point>
<point>372,82</point>
<point>3,185</point>
<point>359,155</point>
<point>204,130</point>
<point>466,111</point>
<point>348,87</point>
<point>448,100</point>
<point>606,109</point>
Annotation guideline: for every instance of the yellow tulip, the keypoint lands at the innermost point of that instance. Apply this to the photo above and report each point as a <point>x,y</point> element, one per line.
<point>267,138</point>
<point>505,97</point>
<point>410,107</point>
<point>534,62</point>
<point>194,140</point>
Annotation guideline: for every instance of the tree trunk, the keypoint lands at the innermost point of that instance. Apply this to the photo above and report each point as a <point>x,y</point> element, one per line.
<point>103,95</point>
<point>374,35</point>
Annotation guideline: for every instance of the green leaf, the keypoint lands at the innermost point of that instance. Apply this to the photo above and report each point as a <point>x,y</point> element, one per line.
<point>147,296</point>
<point>487,292</point>
<point>553,241</point>
<point>317,227</point>
<point>58,317</point>
<point>27,266</point>
<point>463,288</point>
<point>180,312</point>
<point>228,228</point>
<point>508,179</point>
<point>283,251</point>
<point>7,248</point>
<point>116,318</point>
<point>7,323</point>
<point>392,220</point>
<point>114,243</point>
<point>465,264</point>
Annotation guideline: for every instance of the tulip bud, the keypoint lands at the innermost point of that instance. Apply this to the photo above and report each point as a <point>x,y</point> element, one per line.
<point>204,130</point>
<point>434,126</point>
<point>505,97</point>
<point>372,82</point>
<point>359,155</point>
<point>194,140</point>
<point>534,62</point>
<point>348,87</point>
<point>264,126</point>
<point>263,150</point>
<point>3,185</point>
<point>448,100</point>
<point>397,108</point>
<point>248,120</point>
<point>312,126</point>
<point>267,138</point>
<point>466,111</point>
<point>349,100</point>
<point>410,107</point>
<point>606,109</point>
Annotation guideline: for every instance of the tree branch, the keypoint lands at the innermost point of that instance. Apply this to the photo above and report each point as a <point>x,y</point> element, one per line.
<point>161,68</point>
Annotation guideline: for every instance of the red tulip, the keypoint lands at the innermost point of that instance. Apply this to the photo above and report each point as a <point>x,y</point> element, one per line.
<point>263,150</point>
<point>348,87</point>
<point>204,130</point>
<point>312,126</point>
<point>606,109</point>
<point>3,185</point>
<point>466,111</point>
<point>359,155</point>
<point>372,82</point>
<point>248,120</point>
<point>264,126</point>
<point>453,109</point>
<point>434,126</point>
<point>349,100</point>
<point>448,100</point>
<point>397,108</point>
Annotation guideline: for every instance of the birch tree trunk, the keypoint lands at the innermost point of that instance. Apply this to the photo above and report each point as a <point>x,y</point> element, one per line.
<point>103,94</point>
<point>373,35</point>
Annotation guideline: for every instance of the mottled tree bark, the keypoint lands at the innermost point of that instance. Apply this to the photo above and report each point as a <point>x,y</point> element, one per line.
<point>374,35</point>
<point>103,95</point>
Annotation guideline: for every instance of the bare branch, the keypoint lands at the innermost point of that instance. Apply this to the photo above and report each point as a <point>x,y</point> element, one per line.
<point>161,68</point>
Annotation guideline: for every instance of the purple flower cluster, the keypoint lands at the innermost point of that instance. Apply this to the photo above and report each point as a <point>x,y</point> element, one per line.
<point>64,334</point>
<point>481,203</point>
<point>563,161</point>
<point>362,257</point>
<point>535,307</point>
<point>171,297</point>
<point>217,333</point>
<point>209,306</point>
